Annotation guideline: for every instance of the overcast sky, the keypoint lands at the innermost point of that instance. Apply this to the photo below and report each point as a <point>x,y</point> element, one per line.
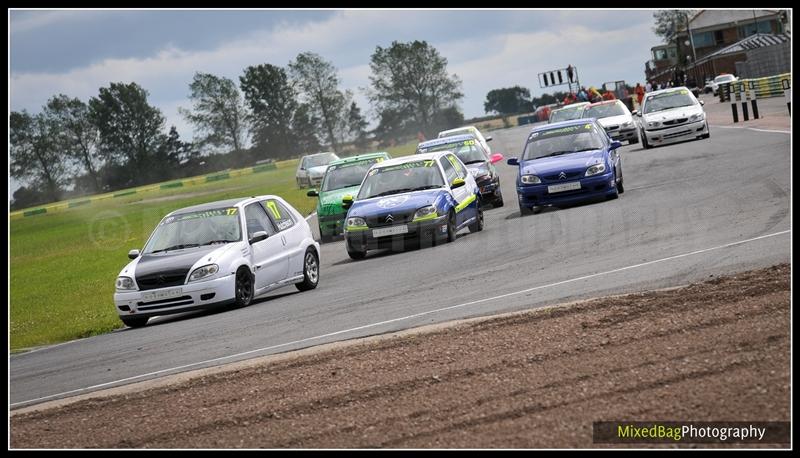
<point>76,52</point>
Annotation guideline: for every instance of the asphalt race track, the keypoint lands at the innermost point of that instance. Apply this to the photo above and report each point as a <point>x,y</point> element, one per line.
<point>690,211</point>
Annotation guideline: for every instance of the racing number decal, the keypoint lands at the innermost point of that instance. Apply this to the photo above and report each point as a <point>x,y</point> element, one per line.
<point>274,209</point>
<point>231,211</point>
<point>429,163</point>
<point>469,142</point>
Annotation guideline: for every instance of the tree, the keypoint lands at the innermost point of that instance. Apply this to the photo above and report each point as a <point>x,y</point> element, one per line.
<point>218,111</point>
<point>411,79</point>
<point>319,84</point>
<point>76,136</point>
<point>669,22</point>
<point>34,153</point>
<point>130,130</point>
<point>510,100</point>
<point>357,126</point>
<point>273,102</point>
<point>304,130</point>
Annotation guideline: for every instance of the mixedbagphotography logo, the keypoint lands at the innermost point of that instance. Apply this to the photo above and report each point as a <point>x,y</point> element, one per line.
<point>659,432</point>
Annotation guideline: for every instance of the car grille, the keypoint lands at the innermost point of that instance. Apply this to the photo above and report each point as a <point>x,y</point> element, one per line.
<point>165,303</point>
<point>677,134</point>
<point>162,279</point>
<point>398,218</point>
<point>675,122</point>
<point>555,177</point>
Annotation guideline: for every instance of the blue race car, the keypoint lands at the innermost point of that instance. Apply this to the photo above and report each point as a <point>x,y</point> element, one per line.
<point>567,162</point>
<point>422,198</point>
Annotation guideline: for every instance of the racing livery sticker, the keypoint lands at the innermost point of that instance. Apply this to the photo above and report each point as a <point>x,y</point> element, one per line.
<point>391,202</point>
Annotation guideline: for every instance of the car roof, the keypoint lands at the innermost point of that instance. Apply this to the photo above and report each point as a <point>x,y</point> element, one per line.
<point>359,158</point>
<point>669,89</point>
<point>458,128</point>
<point>556,125</point>
<point>446,140</point>
<point>320,154</point>
<point>413,158</point>
<point>211,205</point>
<point>604,102</point>
<point>571,106</point>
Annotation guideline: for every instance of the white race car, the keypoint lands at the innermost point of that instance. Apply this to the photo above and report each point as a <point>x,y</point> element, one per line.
<point>219,253</point>
<point>672,115</point>
<point>311,169</point>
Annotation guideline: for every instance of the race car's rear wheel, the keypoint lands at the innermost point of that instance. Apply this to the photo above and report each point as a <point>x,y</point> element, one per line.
<point>451,227</point>
<point>310,271</point>
<point>244,287</point>
<point>477,226</point>
<point>134,321</point>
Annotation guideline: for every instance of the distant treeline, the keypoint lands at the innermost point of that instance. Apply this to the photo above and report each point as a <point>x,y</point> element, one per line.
<point>117,139</point>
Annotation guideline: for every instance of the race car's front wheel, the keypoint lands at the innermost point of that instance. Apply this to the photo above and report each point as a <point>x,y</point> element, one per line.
<point>134,321</point>
<point>498,201</point>
<point>477,226</point>
<point>451,227</point>
<point>310,271</point>
<point>244,287</point>
<point>523,210</point>
<point>645,145</point>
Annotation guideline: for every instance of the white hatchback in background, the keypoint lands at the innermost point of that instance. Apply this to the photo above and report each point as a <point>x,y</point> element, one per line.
<point>311,169</point>
<point>721,79</point>
<point>214,254</point>
<point>615,118</point>
<point>469,130</point>
<point>672,115</point>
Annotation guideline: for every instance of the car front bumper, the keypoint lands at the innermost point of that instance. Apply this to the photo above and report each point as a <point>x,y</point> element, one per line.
<point>331,224</point>
<point>423,230</point>
<point>624,134</point>
<point>679,133</point>
<point>591,188</point>
<point>193,296</point>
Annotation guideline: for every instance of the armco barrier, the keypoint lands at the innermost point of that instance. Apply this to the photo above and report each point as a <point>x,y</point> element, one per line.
<point>770,86</point>
<point>193,181</point>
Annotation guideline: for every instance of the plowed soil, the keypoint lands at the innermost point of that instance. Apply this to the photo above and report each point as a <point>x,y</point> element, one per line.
<point>714,351</point>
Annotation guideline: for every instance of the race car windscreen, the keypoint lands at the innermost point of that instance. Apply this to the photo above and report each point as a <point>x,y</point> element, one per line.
<point>193,229</point>
<point>346,175</point>
<point>603,111</point>
<point>668,100</point>
<point>318,160</point>
<point>407,177</point>
<point>564,140</point>
<point>469,151</point>
<point>566,114</point>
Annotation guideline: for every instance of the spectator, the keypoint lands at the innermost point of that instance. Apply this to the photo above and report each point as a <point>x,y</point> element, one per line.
<point>594,94</point>
<point>608,95</point>
<point>648,87</point>
<point>639,90</point>
<point>570,99</point>
<point>582,95</point>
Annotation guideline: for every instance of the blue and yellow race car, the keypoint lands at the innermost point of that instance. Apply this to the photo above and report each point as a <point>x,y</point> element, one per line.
<point>422,198</point>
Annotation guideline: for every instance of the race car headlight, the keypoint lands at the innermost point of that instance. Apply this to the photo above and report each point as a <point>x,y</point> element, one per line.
<point>125,283</point>
<point>626,124</point>
<point>653,124</point>
<point>479,172</point>
<point>697,117</point>
<point>356,222</point>
<point>529,179</point>
<point>428,212</point>
<point>203,272</point>
<point>595,169</point>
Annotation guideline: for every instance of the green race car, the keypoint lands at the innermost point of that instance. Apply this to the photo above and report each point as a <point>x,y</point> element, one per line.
<point>343,177</point>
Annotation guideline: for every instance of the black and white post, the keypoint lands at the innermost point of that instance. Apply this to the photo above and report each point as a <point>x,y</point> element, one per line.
<point>742,94</point>
<point>734,110</point>
<point>753,98</point>
<point>787,94</point>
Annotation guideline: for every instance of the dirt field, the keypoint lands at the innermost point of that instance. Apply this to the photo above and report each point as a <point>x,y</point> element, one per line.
<point>706,352</point>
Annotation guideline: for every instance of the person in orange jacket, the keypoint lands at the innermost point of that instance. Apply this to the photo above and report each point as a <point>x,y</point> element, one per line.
<point>608,95</point>
<point>639,90</point>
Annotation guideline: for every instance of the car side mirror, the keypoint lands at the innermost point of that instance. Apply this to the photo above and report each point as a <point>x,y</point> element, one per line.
<point>635,112</point>
<point>133,254</point>
<point>312,193</point>
<point>488,139</point>
<point>702,102</point>
<point>512,161</point>
<point>638,113</point>
<point>347,201</point>
<point>457,183</point>
<point>258,236</point>
<point>615,144</point>
<point>496,157</point>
